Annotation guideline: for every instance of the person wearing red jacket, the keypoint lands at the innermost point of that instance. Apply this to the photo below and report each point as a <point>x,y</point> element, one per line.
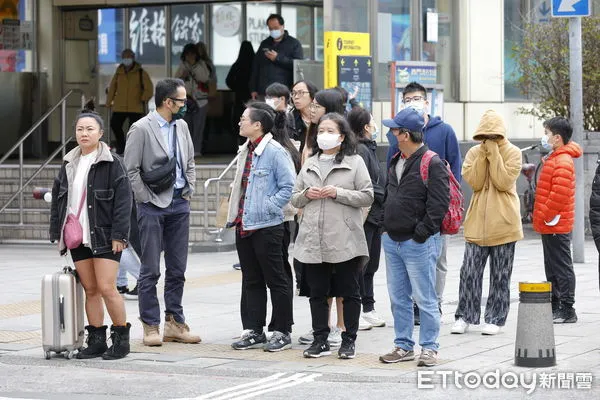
<point>554,213</point>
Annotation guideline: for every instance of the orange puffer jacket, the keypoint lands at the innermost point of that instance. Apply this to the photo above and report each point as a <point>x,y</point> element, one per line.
<point>555,191</point>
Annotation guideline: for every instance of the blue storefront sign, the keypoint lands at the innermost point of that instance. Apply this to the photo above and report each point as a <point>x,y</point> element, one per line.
<point>108,39</point>
<point>410,71</point>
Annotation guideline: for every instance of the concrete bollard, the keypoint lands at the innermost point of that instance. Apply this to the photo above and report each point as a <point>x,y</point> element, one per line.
<point>534,346</point>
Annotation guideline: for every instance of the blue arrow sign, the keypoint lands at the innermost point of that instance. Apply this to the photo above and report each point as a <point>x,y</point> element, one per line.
<point>571,8</point>
<point>544,9</point>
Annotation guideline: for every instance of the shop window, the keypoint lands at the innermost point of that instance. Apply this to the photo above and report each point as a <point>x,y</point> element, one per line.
<point>187,26</point>
<point>298,24</point>
<point>318,27</point>
<point>111,42</point>
<point>256,22</point>
<point>226,38</point>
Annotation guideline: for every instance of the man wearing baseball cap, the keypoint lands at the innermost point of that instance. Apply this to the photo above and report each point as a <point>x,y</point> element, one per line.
<point>413,214</point>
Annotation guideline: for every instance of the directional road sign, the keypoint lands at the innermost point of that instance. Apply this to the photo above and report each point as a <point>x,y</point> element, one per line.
<point>571,8</point>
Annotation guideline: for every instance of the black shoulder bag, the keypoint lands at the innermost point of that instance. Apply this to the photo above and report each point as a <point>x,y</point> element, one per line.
<point>163,178</point>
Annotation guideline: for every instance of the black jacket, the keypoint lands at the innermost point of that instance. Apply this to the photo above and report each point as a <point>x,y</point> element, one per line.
<point>367,149</point>
<point>109,199</point>
<point>413,210</point>
<point>265,71</point>
<point>298,131</point>
<point>595,211</point>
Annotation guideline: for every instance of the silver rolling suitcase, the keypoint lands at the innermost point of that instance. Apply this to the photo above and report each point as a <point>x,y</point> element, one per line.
<point>62,313</point>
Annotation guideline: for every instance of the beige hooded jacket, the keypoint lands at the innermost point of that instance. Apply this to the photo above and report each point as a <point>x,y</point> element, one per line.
<point>491,169</point>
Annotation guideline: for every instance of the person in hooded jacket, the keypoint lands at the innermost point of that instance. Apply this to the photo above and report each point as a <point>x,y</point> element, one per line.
<point>362,124</point>
<point>492,225</point>
<point>440,138</point>
<point>554,214</point>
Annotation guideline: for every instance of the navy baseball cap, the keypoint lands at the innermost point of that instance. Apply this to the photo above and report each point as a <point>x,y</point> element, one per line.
<point>409,118</point>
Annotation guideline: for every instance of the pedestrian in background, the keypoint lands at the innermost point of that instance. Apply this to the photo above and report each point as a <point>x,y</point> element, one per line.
<point>332,188</point>
<point>413,215</point>
<point>302,94</point>
<point>274,61</point>
<point>492,225</point>
<point>362,124</point>
<point>196,72</point>
<point>130,260</point>
<point>554,214</point>
<point>441,139</point>
<point>128,94</point>
<point>237,80</point>
<point>159,156</point>
<point>261,188</point>
<point>93,186</point>
<point>595,213</point>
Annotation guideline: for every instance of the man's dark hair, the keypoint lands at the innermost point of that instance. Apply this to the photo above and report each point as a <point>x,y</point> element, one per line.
<point>560,126</point>
<point>415,137</point>
<point>278,17</point>
<point>166,88</point>
<point>414,87</point>
<point>358,117</point>
<point>265,116</point>
<point>280,132</point>
<point>278,90</point>
<point>348,146</point>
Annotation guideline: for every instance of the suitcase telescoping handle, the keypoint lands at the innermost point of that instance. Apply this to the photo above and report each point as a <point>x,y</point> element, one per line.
<point>61,312</point>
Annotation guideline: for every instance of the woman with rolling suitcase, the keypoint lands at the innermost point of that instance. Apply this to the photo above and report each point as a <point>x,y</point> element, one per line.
<point>90,217</point>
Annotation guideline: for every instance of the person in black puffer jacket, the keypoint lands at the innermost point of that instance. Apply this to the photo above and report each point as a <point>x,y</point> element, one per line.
<point>364,127</point>
<point>595,213</point>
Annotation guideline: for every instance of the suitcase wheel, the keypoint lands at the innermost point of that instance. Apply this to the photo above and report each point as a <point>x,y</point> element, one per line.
<point>48,354</point>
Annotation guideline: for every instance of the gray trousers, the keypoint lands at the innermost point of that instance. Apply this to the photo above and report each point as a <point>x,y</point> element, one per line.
<point>441,269</point>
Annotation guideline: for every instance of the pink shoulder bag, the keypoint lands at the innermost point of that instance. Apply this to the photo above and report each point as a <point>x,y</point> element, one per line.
<point>73,232</point>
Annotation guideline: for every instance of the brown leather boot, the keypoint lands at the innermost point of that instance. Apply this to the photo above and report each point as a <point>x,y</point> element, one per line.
<point>177,332</point>
<point>151,334</point>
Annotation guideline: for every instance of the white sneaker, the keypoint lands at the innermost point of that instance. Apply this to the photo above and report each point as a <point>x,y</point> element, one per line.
<point>459,327</point>
<point>490,329</point>
<point>335,337</point>
<point>372,318</point>
<point>363,324</point>
<point>307,338</point>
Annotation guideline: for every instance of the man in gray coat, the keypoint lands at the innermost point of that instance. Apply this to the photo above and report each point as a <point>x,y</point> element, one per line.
<point>163,201</point>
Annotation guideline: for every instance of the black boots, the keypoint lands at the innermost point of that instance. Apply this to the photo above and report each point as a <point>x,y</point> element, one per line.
<point>119,335</point>
<point>96,342</point>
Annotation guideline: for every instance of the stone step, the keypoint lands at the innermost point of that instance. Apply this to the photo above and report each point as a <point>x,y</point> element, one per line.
<point>42,217</point>
<point>34,232</point>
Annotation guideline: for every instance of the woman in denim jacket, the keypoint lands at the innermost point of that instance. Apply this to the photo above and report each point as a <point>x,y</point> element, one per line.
<point>94,180</point>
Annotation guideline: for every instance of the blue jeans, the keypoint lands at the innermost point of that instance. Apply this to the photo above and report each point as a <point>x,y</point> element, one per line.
<point>163,229</point>
<point>411,275</point>
<point>129,263</point>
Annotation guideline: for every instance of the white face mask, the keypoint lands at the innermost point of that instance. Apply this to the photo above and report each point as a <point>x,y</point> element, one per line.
<point>417,105</point>
<point>274,103</point>
<point>328,141</point>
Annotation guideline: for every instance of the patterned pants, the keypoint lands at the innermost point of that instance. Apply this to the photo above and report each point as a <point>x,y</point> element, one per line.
<point>471,279</point>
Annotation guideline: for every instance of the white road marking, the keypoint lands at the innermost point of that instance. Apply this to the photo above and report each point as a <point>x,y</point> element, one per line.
<point>256,388</point>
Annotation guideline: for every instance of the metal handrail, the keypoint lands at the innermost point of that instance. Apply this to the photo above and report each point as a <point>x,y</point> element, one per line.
<point>62,103</point>
<point>32,177</point>
<point>63,125</point>
<point>218,181</point>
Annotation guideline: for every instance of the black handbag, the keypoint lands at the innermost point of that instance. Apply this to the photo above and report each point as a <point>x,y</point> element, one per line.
<point>163,178</point>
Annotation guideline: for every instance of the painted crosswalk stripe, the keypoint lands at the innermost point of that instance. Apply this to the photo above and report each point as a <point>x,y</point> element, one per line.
<point>248,390</point>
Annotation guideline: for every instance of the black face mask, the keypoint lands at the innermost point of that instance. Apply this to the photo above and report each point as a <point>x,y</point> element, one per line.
<point>180,113</point>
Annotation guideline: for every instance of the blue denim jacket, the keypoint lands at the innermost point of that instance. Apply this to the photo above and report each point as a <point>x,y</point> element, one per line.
<point>269,188</point>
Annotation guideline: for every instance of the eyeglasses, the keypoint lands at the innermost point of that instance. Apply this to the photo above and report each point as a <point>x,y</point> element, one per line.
<point>176,99</point>
<point>299,93</point>
<point>408,100</point>
<point>315,106</point>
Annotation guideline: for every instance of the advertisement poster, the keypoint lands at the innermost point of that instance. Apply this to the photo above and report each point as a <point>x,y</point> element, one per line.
<point>401,37</point>
<point>8,58</point>
<point>355,74</point>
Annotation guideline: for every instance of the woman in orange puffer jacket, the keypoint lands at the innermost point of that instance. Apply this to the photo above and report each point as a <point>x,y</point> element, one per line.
<point>554,213</point>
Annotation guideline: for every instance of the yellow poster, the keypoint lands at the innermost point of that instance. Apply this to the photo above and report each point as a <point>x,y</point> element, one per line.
<point>9,9</point>
<point>342,44</point>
